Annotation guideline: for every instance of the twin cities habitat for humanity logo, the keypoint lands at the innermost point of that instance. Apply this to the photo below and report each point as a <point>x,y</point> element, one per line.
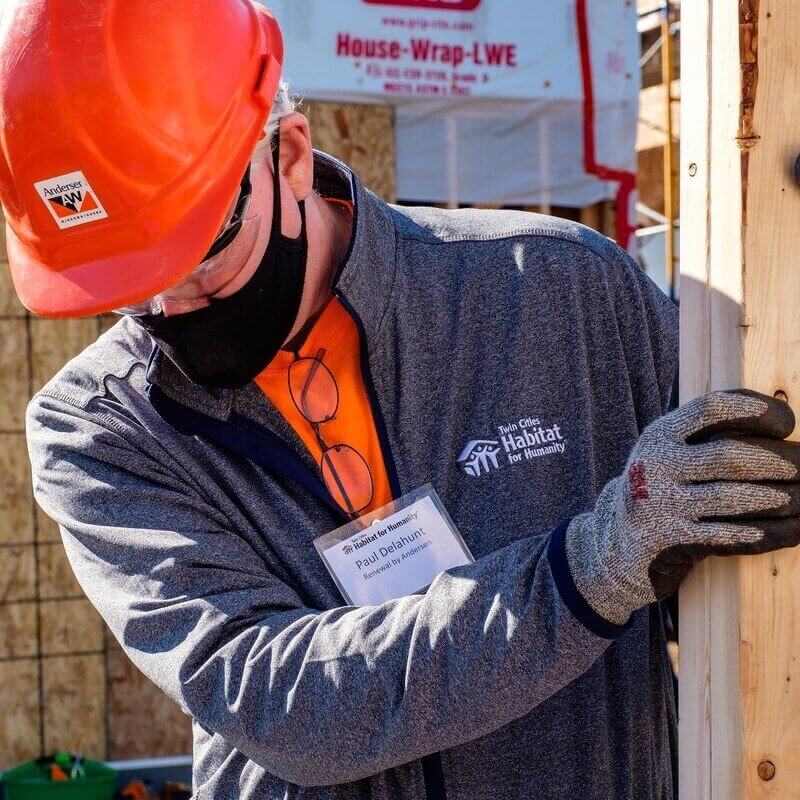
<point>524,440</point>
<point>71,200</point>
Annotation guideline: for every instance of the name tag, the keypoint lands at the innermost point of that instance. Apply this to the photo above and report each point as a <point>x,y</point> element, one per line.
<point>394,551</point>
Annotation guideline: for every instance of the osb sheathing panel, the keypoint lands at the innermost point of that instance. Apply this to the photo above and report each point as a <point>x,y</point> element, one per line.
<point>10,306</point>
<point>19,701</point>
<point>142,720</point>
<point>16,497</point>
<point>56,578</point>
<point>74,705</point>
<point>54,342</point>
<point>362,137</point>
<point>70,626</point>
<point>17,632</point>
<point>17,573</point>
<point>14,374</point>
<point>105,322</point>
<point>46,529</point>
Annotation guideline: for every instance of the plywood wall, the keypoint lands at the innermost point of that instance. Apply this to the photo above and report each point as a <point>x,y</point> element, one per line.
<point>65,683</point>
<point>362,137</point>
<point>62,683</point>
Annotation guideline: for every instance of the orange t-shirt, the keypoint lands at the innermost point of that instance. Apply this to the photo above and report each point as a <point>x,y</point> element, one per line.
<point>333,340</point>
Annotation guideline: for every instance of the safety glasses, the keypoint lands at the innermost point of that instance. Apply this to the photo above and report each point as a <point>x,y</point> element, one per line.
<point>215,270</point>
<point>344,470</point>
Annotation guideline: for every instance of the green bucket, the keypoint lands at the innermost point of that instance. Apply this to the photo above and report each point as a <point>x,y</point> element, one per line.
<point>31,781</point>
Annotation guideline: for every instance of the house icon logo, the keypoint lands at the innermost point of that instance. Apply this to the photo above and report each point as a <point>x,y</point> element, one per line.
<point>479,457</point>
<point>347,549</point>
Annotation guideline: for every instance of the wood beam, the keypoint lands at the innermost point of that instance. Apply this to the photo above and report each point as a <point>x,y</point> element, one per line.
<point>740,326</point>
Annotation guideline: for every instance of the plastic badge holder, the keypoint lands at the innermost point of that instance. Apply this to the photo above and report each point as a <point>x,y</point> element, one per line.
<point>395,551</point>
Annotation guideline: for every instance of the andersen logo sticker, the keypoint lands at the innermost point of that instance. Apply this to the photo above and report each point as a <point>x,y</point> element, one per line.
<point>71,200</point>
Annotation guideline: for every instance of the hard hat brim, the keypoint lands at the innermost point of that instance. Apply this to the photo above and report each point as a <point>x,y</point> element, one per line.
<point>100,286</point>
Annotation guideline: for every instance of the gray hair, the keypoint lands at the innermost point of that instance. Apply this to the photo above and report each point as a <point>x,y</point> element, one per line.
<point>284,105</point>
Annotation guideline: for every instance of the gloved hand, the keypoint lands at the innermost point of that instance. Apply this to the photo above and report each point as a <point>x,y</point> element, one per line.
<point>713,477</point>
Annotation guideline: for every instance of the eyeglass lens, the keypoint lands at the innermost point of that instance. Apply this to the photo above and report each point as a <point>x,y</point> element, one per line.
<point>345,472</point>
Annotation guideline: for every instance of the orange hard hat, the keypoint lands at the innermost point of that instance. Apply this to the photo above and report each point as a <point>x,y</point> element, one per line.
<point>126,129</point>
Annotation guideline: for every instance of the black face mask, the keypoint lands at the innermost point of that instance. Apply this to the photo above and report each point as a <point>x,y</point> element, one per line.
<point>228,343</point>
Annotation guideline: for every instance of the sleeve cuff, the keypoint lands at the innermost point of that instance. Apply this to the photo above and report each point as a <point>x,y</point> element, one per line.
<point>573,599</point>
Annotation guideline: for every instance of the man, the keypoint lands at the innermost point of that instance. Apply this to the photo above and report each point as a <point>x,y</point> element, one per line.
<point>330,355</point>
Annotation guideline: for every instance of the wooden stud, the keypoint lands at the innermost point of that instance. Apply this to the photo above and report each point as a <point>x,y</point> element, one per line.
<point>740,291</point>
<point>670,153</point>
<point>650,133</point>
<point>650,180</point>
<point>591,216</point>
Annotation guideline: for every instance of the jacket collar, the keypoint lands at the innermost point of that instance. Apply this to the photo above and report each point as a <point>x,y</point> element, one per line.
<point>364,279</point>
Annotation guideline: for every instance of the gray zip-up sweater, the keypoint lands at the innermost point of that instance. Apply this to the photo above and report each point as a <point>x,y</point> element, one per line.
<point>189,518</point>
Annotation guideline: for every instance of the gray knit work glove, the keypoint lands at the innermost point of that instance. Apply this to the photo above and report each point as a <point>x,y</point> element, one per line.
<point>713,477</point>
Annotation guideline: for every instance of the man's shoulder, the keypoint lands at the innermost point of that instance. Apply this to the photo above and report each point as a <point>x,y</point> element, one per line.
<point>118,356</point>
<point>514,234</point>
<point>432,225</point>
<point>500,243</point>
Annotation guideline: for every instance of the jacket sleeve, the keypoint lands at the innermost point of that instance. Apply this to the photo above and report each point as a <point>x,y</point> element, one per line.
<point>314,696</point>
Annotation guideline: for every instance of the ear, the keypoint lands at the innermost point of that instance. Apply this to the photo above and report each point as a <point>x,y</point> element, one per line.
<point>297,157</point>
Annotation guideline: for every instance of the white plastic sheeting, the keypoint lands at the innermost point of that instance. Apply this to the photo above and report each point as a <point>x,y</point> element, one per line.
<point>495,98</point>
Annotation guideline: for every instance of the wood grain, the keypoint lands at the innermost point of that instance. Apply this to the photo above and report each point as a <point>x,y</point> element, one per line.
<point>54,342</point>
<point>70,626</point>
<point>19,700</point>
<point>650,179</point>
<point>17,573</point>
<point>14,374</point>
<point>18,627</point>
<point>740,288</point>
<point>651,132</point>
<point>770,586</point>
<point>10,305</point>
<point>143,722</point>
<point>16,497</point>
<point>362,136</point>
<point>46,529</point>
<point>56,578</point>
<point>74,705</point>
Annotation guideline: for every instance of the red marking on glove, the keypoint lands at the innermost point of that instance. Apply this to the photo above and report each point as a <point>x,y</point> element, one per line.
<point>638,481</point>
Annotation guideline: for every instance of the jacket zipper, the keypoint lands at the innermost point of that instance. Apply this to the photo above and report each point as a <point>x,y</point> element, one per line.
<point>432,764</point>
